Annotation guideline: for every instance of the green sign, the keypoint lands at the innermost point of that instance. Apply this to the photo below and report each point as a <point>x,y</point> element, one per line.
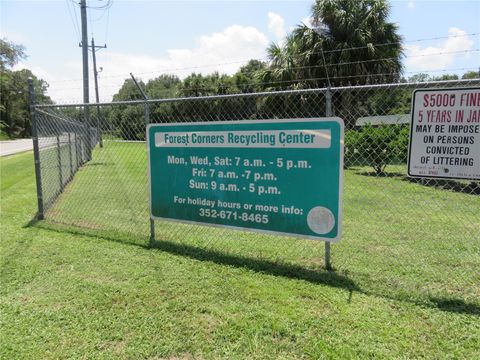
<point>276,176</point>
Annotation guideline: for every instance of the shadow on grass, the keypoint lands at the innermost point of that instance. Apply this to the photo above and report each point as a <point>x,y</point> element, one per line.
<point>330,278</point>
<point>456,306</point>
<point>33,222</point>
<point>470,188</point>
<point>381,175</point>
<point>100,163</point>
<point>290,271</point>
<point>465,187</point>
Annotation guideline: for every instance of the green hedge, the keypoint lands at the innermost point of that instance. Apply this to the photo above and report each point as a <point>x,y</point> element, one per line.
<point>376,146</point>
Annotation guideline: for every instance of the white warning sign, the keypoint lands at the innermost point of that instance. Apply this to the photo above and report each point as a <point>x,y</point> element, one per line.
<point>445,134</point>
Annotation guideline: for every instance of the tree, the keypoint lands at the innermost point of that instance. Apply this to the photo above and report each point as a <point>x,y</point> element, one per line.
<point>163,86</point>
<point>128,121</point>
<point>196,85</point>
<point>471,75</point>
<point>246,79</point>
<point>350,42</point>
<point>14,112</point>
<point>446,77</point>
<point>10,54</point>
<point>358,41</point>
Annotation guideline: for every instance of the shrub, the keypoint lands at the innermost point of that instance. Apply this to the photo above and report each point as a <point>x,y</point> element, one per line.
<point>376,146</point>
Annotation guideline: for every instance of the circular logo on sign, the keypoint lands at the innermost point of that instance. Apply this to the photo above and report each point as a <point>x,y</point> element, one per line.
<point>320,220</point>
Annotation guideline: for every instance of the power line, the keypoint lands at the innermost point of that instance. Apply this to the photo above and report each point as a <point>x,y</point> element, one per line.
<point>300,67</point>
<point>260,83</point>
<point>73,20</point>
<point>317,52</point>
<point>396,43</point>
<point>107,6</point>
<point>329,81</point>
<point>441,37</point>
<point>108,23</point>
<point>318,66</point>
<point>394,57</point>
<point>304,67</point>
<point>90,26</point>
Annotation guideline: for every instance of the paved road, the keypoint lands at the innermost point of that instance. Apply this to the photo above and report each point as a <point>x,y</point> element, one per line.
<point>15,146</point>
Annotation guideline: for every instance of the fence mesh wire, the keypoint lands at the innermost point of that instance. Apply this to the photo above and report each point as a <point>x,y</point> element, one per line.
<point>407,220</point>
<point>65,145</point>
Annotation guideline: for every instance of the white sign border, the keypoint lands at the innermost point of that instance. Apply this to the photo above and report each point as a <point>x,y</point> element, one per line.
<point>411,135</point>
<point>239,228</point>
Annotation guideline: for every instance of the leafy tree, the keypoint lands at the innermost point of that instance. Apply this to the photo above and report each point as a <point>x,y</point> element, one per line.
<point>446,77</point>
<point>196,85</point>
<point>129,91</point>
<point>128,121</point>
<point>376,146</point>
<point>358,34</point>
<point>247,78</point>
<point>14,111</point>
<point>163,86</point>
<point>10,54</point>
<point>351,42</point>
<point>420,77</point>
<point>471,75</point>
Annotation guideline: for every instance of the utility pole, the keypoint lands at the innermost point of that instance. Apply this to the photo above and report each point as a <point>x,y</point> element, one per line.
<point>84,44</point>
<point>95,77</point>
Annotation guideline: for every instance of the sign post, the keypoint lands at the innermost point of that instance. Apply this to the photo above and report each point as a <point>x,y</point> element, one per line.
<point>274,176</point>
<point>445,134</point>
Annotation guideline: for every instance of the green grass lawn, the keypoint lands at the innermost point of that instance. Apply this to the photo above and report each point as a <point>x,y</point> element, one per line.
<point>3,136</point>
<point>406,282</point>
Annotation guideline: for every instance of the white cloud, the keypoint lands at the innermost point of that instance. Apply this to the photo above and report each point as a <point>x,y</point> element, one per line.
<point>224,52</point>
<point>36,70</point>
<point>439,57</point>
<point>276,25</point>
<point>308,21</point>
<point>411,5</point>
<point>13,36</point>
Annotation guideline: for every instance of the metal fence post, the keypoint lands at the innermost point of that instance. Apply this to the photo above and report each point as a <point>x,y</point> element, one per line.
<point>99,125</point>
<point>77,148</point>
<point>328,113</point>
<point>59,160</point>
<point>70,156</point>
<point>152,222</point>
<point>147,121</point>
<point>88,133</point>
<point>83,146</point>
<point>36,150</point>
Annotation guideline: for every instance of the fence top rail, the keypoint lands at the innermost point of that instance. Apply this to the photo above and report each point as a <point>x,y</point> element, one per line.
<point>475,81</point>
<point>69,121</point>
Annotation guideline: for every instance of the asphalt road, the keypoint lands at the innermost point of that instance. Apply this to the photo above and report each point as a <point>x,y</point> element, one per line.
<point>11,147</point>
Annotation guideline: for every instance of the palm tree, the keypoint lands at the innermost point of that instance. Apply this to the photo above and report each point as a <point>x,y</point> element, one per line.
<point>350,42</point>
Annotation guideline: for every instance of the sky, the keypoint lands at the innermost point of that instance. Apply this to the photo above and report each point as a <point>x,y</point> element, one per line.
<point>149,38</point>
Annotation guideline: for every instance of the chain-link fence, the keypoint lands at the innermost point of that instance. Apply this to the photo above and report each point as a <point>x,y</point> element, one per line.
<point>104,188</point>
<point>64,146</point>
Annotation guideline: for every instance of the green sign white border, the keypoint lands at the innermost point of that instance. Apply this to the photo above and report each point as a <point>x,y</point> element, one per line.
<point>239,228</point>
